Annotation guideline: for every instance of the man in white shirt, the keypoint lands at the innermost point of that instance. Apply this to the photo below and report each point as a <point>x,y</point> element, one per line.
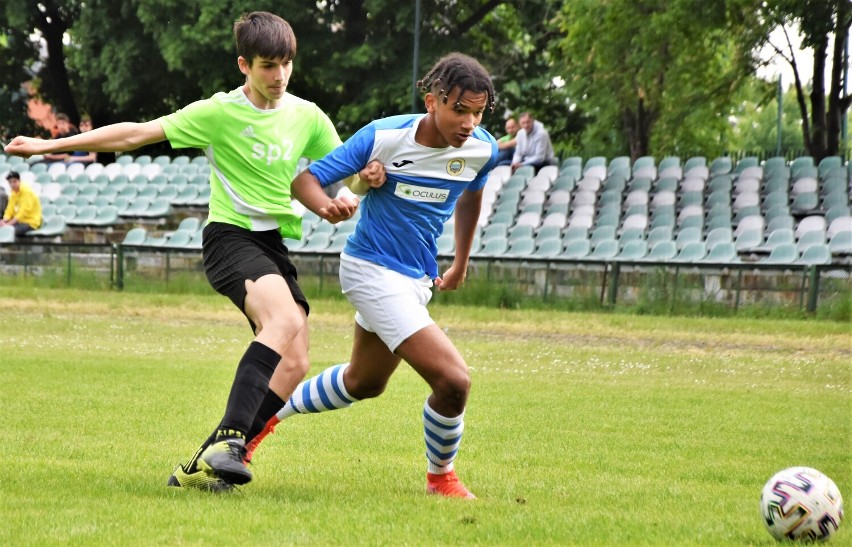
<point>533,145</point>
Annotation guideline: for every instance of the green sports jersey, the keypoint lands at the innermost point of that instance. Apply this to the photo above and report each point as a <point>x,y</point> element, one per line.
<point>253,155</point>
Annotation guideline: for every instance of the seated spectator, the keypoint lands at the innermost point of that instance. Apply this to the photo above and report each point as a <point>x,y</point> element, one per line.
<point>533,146</point>
<point>24,208</point>
<point>506,143</point>
<point>64,128</point>
<point>81,156</point>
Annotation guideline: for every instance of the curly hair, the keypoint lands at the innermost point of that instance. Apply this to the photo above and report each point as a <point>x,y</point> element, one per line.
<point>458,70</point>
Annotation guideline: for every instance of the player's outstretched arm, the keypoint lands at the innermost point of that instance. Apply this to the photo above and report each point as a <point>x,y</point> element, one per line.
<point>119,137</point>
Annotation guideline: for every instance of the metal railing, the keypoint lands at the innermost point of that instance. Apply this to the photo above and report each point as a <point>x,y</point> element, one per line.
<point>608,283</point>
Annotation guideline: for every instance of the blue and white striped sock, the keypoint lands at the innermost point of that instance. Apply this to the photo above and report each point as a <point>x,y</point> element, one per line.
<point>323,392</point>
<point>443,437</point>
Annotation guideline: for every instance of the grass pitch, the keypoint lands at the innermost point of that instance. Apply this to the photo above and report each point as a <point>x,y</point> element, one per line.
<point>582,428</point>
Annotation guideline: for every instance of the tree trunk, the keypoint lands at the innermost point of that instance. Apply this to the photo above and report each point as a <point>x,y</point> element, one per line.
<point>838,104</point>
<point>819,131</point>
<point>53,30</point>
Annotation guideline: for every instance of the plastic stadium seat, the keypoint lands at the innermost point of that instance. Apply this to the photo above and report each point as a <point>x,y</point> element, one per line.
<point>636,249</point>
<point>724,252</point>
<point>178,239</point>
<point>337,242</point>
<point>520,247</point>
<point>810,223</point>
<point>135,236</point>
<point>749,240</point>
<point>7,233</point>
<point>106,216</point>
<point>316,242</point>
<point>605,250</point>
<point>137,208</point>
<point>721,166</point>
<point>778,222</point>
<point>51,227</point>
<point>686,236</point>
<point>548,247</point>
<point>782,254</point>
<point>813,237</point>
<point>495,246</point>
<point>692,251</point>
<point>839,224</point>
<point>719,235</point>
<point>804,203</point>
<point>662,251</point>
<point>781,236</point>
<point>841,242</point>
<point>446,243</point>
<point>576,249</point>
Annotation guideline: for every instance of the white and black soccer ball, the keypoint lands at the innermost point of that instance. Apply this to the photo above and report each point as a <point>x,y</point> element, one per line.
<point>800,503</point>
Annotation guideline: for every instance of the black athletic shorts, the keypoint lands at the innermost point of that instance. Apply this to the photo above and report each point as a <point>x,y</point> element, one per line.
<point>233,254</point>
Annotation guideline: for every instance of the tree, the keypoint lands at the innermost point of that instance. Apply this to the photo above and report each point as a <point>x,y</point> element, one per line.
<point>819,22</point>
<point>653,76</point>
<point>755,120</point>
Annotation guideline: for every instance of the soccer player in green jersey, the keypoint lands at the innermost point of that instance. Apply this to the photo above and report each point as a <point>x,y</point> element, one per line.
<point>253,138</point>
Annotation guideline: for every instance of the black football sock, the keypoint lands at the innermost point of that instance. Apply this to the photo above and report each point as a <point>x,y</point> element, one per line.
<point>250,386</point>
<point>271,404</point>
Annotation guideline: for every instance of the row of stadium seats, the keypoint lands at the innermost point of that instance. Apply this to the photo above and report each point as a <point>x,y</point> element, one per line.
<point>621,210</point>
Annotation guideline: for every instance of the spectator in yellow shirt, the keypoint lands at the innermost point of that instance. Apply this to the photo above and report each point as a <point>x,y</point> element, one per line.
<point>24,208</point>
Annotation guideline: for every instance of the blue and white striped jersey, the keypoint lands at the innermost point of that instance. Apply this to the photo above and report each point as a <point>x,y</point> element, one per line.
<point>401,221</point>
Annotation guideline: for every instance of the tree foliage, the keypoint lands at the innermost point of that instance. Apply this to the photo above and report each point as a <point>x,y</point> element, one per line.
<point>607,77</point>
<point>652,76</point>
<point>820,22</point>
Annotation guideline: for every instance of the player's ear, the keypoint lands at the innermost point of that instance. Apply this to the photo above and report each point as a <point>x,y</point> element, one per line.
<point>431,103</point>
<point>244,65</point>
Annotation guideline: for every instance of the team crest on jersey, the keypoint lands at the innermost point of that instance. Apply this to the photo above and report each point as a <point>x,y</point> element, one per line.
<point>455,166</point>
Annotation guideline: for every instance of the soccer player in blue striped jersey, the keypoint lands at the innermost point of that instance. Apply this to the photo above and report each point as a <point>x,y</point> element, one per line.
<point>436,165</point>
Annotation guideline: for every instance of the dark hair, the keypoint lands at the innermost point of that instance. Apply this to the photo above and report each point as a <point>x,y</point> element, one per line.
<point>458,70</point>
<point>13,175</point>
<point>62,117</point>
<point>263,34</point>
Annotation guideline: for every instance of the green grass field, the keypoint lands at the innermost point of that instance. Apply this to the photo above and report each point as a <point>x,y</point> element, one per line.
<point>596,429</point>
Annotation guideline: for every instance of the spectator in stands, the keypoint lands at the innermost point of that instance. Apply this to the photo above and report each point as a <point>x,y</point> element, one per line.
<point>506,143</point>
<point>24,208</point>
<point>81,156</point>
<point>434,162</point>
<point>254,136</point>
<point>533,146</point>
<point>64,128</point>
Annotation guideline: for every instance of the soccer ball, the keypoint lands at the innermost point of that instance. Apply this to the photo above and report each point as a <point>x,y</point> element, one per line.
<point>801,503</point>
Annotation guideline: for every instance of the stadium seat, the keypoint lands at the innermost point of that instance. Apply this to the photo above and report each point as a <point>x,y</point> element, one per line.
<point>841,242</point>
<point>52,226</point>
<point>721,166</point>
<point>719,235</point>
<point>604,250</point>
<point>7,233</point>
<point>782,254</point>
<point>812,237</point>
<point>135,236</point>
<point>520,247</point>
<point>838,224</point>
<point>633,250</point>
<point>576,249</point>
<point>662,251</point>
<point>547,248</point>
<point>495,246</point>
<point>724,252</point>
<point>809,223</point>
<point>692,251</point>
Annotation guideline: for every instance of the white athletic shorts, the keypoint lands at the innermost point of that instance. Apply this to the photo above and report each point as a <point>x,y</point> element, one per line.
<point>386,302</point>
